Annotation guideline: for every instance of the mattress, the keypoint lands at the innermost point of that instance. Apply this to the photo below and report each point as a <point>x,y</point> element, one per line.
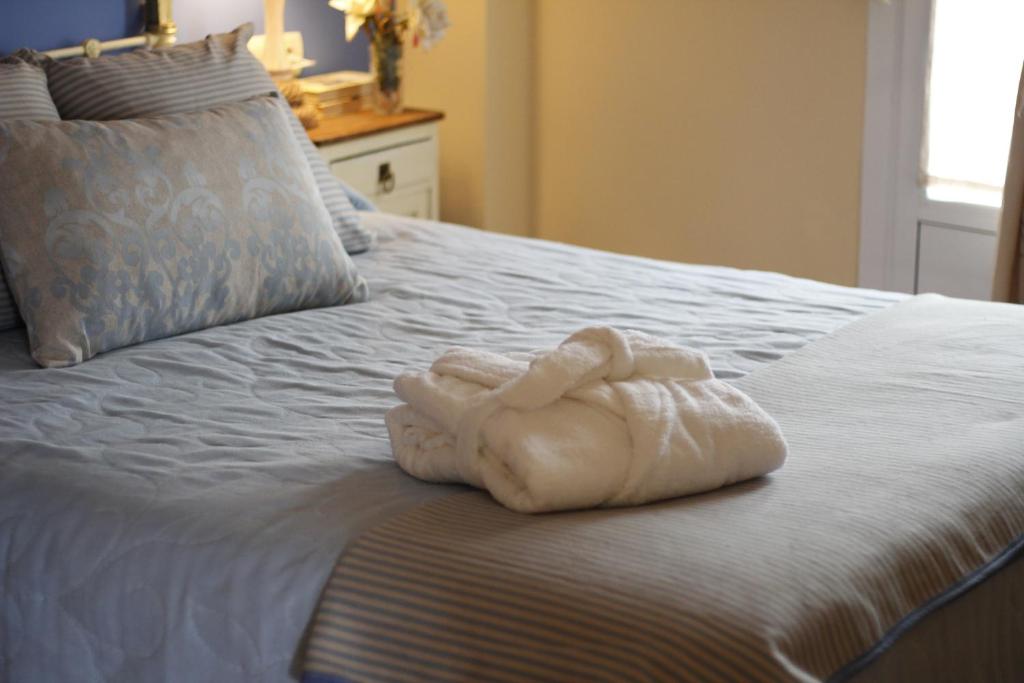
<point>172,510</point>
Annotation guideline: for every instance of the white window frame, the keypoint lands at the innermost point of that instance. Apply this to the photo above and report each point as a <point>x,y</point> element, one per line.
<point>893,203</point>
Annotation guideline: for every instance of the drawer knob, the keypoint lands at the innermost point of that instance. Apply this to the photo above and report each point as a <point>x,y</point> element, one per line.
<point>385,178</point>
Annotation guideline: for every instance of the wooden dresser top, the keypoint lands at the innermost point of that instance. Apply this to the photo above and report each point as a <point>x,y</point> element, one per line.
<point>350,126</point>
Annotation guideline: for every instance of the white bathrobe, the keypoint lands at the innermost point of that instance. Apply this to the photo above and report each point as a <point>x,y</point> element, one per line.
<point>608,418</point>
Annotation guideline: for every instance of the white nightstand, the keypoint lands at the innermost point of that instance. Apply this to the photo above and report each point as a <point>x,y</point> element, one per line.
<point>391,159</point>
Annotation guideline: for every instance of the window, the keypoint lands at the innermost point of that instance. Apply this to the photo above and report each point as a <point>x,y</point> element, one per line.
<point>975,67</point>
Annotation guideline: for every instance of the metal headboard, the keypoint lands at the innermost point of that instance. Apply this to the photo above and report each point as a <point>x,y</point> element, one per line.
<point>160,31</point>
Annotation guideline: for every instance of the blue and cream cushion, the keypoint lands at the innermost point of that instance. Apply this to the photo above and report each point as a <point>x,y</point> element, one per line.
<point>23,95</point>
<point>23,92</point>
<point>190,77</point>
<point>120,232</point>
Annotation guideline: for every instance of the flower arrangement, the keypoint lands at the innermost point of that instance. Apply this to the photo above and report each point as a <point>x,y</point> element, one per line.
<point>387,28</point>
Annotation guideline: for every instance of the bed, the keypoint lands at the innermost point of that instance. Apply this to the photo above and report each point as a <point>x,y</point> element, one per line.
<point>173,510</point>
<point>141,486</point>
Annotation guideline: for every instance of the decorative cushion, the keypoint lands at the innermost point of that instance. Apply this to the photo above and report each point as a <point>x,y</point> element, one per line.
<point>119,232</point>
<point>23,92</point>
<point>23,95</point>
<point>189,77</point>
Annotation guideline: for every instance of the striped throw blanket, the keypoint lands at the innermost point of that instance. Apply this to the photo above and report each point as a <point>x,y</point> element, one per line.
<point>905,478</point>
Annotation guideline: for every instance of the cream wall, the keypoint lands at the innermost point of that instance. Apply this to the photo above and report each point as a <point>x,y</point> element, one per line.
<point>709,131</point>
<point>452,77</point>
<point>510,128</point>
<point>481,76</point>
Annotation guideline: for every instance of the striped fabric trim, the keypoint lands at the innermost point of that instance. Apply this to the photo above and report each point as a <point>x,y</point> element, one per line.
<point>23,95</point>
<point>190,77</point>
<point>791,577</point>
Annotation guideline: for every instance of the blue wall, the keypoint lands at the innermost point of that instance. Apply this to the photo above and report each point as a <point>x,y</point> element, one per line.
<point>46,24</point>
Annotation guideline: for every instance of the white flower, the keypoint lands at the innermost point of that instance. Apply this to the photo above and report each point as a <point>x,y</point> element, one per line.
<point>356,12</point>
<point>428,21</point>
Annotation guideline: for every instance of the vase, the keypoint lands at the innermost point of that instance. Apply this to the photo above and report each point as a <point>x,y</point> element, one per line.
<point>386,68</point>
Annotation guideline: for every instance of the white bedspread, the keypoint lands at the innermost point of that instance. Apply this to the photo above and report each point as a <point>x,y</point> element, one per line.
<point>171,511</point>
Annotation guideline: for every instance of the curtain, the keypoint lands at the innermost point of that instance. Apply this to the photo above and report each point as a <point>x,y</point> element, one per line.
<point>1008,284</point>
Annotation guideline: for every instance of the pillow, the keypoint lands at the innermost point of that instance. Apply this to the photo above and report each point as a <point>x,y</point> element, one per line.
<point>183,78</point>
<point>23,95</point>
<point>23,92</point>
<point>119,232</point>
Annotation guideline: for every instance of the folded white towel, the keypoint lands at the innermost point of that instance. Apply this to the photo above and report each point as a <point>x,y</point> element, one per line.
<point>608,418</point>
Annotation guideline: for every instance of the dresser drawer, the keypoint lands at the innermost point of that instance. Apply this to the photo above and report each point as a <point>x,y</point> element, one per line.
<point>390,171</point>
<point>414,203</point>
<point>392,160</point>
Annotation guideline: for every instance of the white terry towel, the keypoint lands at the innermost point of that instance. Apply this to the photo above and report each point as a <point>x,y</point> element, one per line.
<point>608,418</point>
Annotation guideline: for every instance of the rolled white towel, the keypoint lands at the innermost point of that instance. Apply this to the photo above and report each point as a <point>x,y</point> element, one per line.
<point>608,418</point>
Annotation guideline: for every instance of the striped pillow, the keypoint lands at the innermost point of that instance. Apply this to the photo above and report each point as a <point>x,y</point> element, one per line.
<point>190,77</point>
<point>23,95</point>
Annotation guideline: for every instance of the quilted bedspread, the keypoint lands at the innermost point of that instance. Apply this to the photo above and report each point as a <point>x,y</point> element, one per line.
<point>172,511</point>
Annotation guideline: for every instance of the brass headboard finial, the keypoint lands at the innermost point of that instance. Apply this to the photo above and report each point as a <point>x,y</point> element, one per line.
<point>92,48</point>
<point>160,24</point>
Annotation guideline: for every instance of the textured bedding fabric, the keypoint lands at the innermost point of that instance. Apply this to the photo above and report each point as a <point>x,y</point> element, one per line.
<point>171,511</point>
<point>23,95</point>
<point>904,480</point>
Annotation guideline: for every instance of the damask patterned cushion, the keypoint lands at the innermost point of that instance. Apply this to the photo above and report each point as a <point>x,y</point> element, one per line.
<point>183,78</point>
<point>119,232</point>
<point>23,95</point>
